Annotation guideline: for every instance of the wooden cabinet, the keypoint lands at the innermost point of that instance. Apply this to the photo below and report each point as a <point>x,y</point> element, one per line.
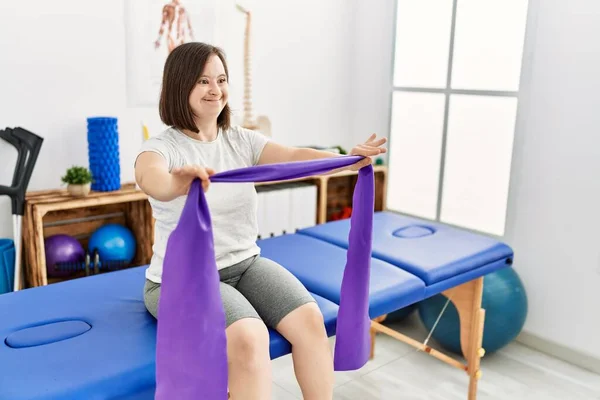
<point>335,191</point>
<point>53,212</point>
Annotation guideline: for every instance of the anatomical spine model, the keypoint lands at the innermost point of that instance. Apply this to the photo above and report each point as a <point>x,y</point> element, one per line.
<point>176,20</point>
<point>249,117</point>
<point>261,123</point>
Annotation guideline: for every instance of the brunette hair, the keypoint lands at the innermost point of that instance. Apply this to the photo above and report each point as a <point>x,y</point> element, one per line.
<point>183,67</point>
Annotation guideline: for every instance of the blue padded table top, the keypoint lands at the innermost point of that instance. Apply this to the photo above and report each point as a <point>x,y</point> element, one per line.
<point>319,265</point>
<point>88,338</point>
<point>116,356</point>
<point>432,251</point>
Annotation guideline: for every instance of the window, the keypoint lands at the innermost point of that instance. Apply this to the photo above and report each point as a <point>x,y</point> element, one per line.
<point>457,65</point>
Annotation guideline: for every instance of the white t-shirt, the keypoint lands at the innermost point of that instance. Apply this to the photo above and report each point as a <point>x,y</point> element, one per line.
<point>233,206</point>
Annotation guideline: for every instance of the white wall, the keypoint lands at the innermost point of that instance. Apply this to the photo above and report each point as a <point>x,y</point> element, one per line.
<point>554,205</point>
<point>65,60</point>
<point>372,66</point>
<point>301,66</point>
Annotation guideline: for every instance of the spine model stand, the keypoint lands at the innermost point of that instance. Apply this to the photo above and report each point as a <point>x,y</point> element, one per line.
<point>250,121</point>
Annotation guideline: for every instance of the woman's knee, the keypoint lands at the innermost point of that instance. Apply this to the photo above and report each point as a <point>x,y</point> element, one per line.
<point>312,319</point>
<point>305,323</point>
<point>248,344</point>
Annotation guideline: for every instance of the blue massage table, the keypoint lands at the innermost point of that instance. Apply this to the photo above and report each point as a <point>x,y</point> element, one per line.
<point>92,338</point>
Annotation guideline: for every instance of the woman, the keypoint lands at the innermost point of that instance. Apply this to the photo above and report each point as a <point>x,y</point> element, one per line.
<point>256,292</point>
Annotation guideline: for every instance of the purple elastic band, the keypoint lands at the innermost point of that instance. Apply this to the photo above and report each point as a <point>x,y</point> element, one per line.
<point>191,354</point>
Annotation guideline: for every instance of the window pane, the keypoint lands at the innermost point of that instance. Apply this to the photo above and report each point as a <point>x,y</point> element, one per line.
<point>488,44</point>
<point>414,153</point>
<point>478,159</point>
<point>422,43</point>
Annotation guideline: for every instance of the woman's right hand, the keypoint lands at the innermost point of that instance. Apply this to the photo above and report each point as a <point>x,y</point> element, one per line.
<point>153,177</point>
<point>182,178</point>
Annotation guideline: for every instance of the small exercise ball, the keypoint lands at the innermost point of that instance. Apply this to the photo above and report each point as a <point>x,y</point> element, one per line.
<point>114,242</point>
<point>62,249</point>
<point>505,304</point>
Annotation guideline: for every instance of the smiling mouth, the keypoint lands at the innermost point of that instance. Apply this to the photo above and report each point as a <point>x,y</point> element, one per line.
<point>212,100</point>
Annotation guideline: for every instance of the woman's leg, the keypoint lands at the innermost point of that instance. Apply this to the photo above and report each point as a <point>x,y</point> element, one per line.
<point>151,297</point>
<point>304,328</point>
<point>285,304</point>
<point>248,358</point>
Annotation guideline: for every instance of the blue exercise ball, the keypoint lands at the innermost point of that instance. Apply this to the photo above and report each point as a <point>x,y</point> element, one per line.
<point>113,242</point>
<point>505,303</point>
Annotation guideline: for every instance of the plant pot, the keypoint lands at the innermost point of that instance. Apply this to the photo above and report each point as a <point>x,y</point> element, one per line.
<point>79,190</point>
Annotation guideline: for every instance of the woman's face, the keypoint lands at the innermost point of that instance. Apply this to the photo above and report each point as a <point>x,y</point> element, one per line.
<point>210,94</point>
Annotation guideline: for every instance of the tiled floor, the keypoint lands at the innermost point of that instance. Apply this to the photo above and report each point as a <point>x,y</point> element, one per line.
<point>400,372</point>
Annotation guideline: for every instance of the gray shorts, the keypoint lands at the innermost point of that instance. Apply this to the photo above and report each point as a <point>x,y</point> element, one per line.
<point>254,288</point>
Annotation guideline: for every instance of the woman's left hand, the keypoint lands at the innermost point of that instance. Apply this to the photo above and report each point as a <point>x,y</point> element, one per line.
<point>372,147</point>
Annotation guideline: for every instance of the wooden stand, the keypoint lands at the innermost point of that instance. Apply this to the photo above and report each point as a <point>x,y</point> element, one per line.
<point>52,212</point>
<point>335,191</point>
<point>467,300</point>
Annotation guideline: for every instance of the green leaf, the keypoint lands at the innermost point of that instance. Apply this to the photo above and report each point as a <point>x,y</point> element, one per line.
<point>77,175</point>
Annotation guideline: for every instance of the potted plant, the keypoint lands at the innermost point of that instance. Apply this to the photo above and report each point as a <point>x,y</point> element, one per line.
<point>78,180</point>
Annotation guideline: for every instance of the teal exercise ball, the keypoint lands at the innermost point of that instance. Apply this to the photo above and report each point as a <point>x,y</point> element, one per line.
<point>505,303</point>
<point>401,314</point>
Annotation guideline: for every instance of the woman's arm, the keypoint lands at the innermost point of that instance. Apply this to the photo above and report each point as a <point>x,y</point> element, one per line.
<point>153,177</point>
<point>277,153</point>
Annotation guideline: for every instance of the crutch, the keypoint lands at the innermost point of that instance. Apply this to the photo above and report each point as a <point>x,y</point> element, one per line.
<point>28,146</point>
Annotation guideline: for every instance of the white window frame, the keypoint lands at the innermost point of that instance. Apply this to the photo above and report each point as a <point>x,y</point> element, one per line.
<point>448,91</point>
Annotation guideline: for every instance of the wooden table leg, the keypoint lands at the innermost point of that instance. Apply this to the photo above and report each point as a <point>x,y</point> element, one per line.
<point>467,299</point>
<point>373,332</point>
